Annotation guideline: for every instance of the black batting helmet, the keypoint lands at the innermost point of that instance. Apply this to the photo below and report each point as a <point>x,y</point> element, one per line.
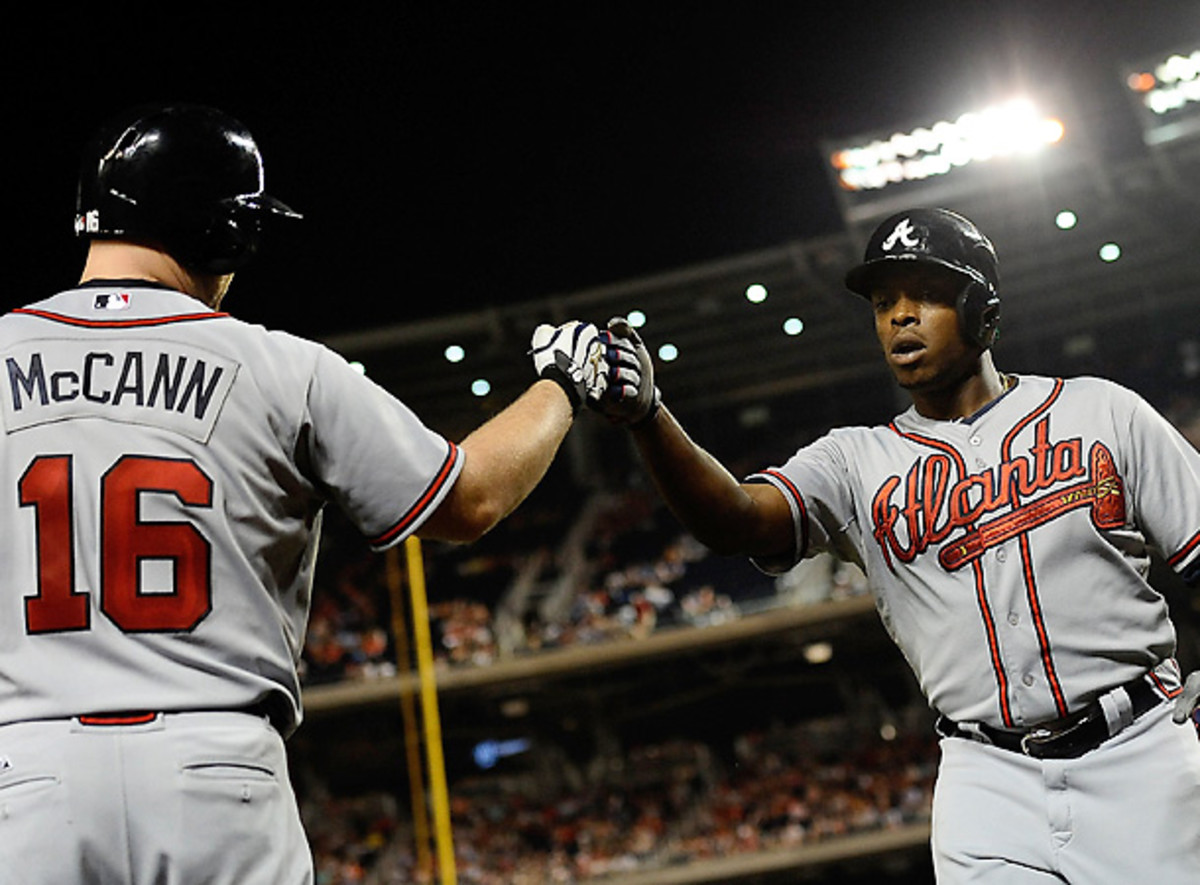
<point>185,177</point>
<point>946,238</point>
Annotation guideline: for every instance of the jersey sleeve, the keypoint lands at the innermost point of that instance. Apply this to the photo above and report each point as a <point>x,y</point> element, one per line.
<point>1163,471</point>
<point>814,482</point>
<point>372,455</point>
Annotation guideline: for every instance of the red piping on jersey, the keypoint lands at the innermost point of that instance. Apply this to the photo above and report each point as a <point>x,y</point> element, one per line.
<point>985,612</point>
<point>427,497</point>
<point>1039,624</point>
<point>795,493</point>
<point>1027,570</point>
<point>119,324</point>
<point>989,624</point>
<point>1006,446</point>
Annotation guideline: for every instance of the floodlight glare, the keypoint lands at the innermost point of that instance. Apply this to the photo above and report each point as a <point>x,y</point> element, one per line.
<point>818,652</point>
<point>756,293</point>
<point>1065,220</point>
<point>1179,68</point>
<point>1174,83</point>
<point>1008,129</point>
<point>1141,81</point>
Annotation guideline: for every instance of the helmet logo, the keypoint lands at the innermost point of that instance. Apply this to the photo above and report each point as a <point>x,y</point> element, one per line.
<point>903,233</point>
<point>89,222</point>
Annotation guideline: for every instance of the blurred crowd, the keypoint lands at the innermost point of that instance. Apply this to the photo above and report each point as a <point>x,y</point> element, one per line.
<point>653,807</point>
<point>637,573</point>
<point>1183,410</point>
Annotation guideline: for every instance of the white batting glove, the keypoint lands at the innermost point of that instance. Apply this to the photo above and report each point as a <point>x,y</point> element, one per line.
<point>1188,699</point>
<point>631,397</point>
<point>573,356</point>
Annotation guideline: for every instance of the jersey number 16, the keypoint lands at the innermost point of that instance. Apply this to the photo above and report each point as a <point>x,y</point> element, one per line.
<point>126,542</point>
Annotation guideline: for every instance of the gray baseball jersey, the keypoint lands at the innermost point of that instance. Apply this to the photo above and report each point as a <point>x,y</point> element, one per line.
<point>1009,552</point>
<point>163,469</point>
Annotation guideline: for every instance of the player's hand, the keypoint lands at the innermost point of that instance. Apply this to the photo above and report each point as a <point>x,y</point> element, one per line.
<point>1188,700</point>
<point>631,397</point>
<point>573,356</point>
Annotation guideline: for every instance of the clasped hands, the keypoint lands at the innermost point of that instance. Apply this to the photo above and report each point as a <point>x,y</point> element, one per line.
<point>609,370</point>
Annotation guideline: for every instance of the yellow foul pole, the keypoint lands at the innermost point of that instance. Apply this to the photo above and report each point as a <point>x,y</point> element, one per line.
<point>429,709</point>
<point>408,709</point>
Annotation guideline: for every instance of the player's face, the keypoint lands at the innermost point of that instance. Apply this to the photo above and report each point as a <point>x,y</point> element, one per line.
<point>916,320</point>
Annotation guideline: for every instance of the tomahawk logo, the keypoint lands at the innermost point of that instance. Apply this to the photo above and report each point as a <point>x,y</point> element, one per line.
<point>903,234</point>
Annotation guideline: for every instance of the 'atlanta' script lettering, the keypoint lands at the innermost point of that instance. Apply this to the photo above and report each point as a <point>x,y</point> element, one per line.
<point>928,504</point>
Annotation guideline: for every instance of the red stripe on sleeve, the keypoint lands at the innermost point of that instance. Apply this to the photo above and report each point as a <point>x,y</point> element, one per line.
<point>423,503</point>
<point>1187,550</point>
<point>798,498</point>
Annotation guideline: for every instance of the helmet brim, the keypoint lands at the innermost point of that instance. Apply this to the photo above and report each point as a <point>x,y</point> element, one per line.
<point>862,279</point>
<point>264,204</point>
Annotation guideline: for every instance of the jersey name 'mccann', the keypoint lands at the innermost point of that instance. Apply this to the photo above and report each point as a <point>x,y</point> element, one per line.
<point>50,381</point>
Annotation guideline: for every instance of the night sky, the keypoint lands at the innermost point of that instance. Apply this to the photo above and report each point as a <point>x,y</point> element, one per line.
<point>454,155</point>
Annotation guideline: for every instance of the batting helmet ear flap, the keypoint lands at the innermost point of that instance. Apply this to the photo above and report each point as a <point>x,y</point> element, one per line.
<point>228,241</point>
<point>979,314</point>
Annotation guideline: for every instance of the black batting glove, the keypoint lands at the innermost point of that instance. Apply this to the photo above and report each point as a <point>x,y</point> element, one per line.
<point>631,397</point>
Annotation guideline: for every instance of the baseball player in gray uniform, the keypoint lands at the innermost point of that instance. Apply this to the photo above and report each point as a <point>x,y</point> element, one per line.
<point>164,469</point>
<point>1005,523</point>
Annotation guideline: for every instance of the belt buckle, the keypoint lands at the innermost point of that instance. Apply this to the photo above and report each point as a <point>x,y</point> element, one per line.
<point>1043,739</point>
<point>1036,738</point>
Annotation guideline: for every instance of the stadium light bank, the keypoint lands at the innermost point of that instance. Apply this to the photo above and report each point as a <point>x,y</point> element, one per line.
<point>1174,83</point>
<point>1013,128</point>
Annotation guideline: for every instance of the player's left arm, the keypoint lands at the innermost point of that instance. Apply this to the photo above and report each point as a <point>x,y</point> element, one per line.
<point>1163,481</point>
<point>1164,484</point>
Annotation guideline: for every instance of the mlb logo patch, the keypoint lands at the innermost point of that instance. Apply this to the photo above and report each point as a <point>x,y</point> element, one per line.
<point>118,301</point>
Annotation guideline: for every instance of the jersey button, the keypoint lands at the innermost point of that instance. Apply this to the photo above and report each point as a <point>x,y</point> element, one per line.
<point>1014,619</point>
<point>975,440</point>
<point>1027,679</point>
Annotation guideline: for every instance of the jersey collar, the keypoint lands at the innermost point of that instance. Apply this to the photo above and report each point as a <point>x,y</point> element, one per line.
<point>132,283</point>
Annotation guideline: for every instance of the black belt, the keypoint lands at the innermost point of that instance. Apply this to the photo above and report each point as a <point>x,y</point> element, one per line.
<point>1066,738</point>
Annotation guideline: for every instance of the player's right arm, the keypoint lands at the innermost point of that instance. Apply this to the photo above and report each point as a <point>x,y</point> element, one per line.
<point>507,456</point>
<point>727,516</point>
<point>504,459</point>
<point>393,476</point>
